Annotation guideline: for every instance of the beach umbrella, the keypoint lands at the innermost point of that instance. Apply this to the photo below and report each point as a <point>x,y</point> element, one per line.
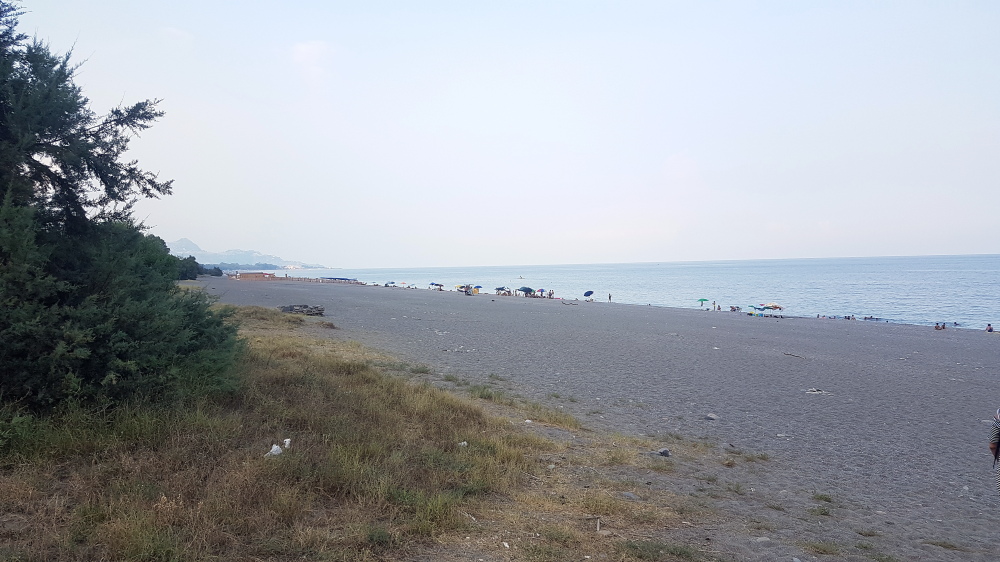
<point>702,301</point>
<point>478,287</point>
<point>501,289</point>
<point>526,290</point>
<point>774,306</point>
<point>588,293</point>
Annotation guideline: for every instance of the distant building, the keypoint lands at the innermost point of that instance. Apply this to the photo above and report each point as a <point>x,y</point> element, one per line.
<point>252,276</point>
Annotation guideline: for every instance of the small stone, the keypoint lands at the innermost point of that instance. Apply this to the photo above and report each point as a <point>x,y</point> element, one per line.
<point>551,466</point>
<point>604,533</point>
<point>463,444</point>
<point>664,452</point>
<point>711,417</point>
<point>527,421</point>
<point>630,496</point>
<point>761,539</point>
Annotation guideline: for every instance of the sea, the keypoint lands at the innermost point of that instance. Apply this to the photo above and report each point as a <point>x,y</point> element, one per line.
<point>922,290</point>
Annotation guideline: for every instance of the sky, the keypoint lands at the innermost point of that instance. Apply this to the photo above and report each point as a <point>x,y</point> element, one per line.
<point>422,134</point>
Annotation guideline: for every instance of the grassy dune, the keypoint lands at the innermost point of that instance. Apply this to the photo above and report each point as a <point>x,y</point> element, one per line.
<point>384,465</point>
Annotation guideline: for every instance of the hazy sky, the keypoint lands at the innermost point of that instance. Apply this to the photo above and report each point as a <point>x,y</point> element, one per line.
<point>398,134</point>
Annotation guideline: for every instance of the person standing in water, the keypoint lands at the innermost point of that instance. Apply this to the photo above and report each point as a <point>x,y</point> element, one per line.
<point>995,446</point>
<point>609,297</point>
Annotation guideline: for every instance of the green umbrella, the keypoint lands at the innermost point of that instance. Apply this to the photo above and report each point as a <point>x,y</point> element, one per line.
<point>702,300</point>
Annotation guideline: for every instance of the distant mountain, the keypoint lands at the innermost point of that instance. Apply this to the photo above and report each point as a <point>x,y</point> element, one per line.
<point>183,248</point>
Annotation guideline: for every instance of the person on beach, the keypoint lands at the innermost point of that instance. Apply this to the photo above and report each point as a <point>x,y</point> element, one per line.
<point>609,297</point>
<point>989,327</point>
<point>995,446</point>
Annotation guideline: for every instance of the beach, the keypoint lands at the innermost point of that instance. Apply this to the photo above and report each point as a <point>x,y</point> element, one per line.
<point>888,420</point>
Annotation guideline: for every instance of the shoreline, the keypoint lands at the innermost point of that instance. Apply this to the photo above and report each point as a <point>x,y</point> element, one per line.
<point>321,280</point>
<point>891,421</point>
<point>918,290</point>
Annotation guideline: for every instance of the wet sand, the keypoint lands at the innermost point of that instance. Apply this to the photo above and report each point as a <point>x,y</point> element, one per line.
<point>896,437</point>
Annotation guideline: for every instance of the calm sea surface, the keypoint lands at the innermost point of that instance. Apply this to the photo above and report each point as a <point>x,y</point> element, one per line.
<point>911,290</point>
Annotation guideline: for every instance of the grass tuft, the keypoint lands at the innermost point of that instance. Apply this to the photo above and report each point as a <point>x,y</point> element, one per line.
<point>946,545</point>
<point>538,412</point>
<point>653,550</point>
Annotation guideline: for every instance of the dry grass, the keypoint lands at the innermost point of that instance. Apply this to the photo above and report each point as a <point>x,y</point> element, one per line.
<point>380,467</point>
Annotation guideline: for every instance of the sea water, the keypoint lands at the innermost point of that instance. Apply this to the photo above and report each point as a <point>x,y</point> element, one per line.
<point>911,290</point>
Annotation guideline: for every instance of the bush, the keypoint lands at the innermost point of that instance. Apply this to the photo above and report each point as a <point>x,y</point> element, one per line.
<point>104,322</point>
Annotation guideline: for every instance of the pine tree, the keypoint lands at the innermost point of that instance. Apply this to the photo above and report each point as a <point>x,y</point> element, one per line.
<point>89,309</point>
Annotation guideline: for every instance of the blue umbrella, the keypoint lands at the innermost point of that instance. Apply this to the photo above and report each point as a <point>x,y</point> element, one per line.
<point>588,293</point>
<point>478,287</point>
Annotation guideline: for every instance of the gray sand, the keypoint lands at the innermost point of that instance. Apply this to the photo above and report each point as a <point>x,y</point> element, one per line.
<point>897,438</point>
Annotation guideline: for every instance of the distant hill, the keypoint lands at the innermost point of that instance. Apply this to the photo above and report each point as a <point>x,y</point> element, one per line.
<point>233,259</point>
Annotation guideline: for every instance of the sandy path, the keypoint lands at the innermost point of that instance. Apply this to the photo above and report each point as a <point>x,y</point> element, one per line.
<point>898,439</point>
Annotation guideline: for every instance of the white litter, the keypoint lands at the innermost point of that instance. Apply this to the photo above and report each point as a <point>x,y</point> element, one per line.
<point>275,451</point>
<point>288,443</point>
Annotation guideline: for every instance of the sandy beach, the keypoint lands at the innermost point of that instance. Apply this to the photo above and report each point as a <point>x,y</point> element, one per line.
<point>888,420</point>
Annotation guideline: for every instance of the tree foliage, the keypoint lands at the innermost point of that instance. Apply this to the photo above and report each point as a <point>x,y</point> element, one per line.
<point>188,268</point>
<point>88,305</point>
